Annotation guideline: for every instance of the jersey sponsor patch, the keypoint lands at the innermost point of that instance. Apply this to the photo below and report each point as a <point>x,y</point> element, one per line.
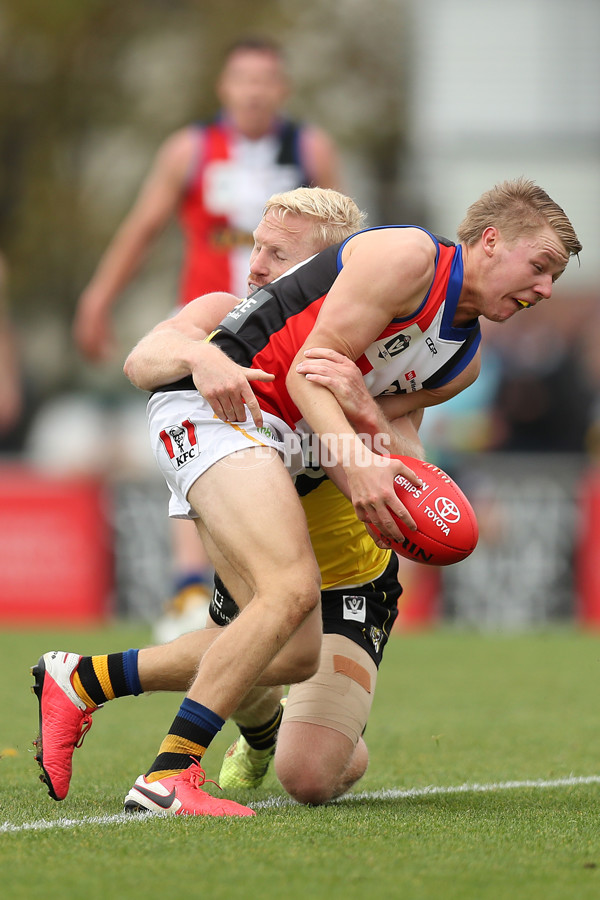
<point>411,378</point>
<point>239,314</point>
<point>355,607</point>
<point>181,443</point>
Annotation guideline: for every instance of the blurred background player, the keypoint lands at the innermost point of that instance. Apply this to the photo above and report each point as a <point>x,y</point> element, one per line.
<point>214,178</point>
<point>11,388</point>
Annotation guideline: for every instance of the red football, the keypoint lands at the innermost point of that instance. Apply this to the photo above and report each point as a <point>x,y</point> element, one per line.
<point>447,530</point>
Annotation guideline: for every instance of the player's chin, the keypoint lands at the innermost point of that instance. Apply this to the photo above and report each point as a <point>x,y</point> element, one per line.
<point>503,316</point>
<point>506,311</point>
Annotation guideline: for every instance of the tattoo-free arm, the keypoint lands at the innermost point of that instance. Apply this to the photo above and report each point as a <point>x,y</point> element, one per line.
<point>177,347</point>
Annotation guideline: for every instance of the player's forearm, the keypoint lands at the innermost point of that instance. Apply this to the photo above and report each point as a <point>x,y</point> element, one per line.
<point>161,357</point>
<point>117,267</point>
<point>10,381</point>
<point>371,421</point>
<point>404,435</point>
<point>325,416</point>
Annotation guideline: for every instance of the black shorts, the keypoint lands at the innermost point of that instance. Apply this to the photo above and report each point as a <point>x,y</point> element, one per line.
<point>365,614</point>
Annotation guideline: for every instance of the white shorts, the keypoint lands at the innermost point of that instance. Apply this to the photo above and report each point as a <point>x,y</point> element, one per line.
<point>187,439</point>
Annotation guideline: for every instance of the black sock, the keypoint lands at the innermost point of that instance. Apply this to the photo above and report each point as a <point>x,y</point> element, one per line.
<point>263,737</point>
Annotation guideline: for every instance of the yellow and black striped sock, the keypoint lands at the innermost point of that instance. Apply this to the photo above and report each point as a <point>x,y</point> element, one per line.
<point>263,737</point>
<point>190,734</point>
<point>101,678</point>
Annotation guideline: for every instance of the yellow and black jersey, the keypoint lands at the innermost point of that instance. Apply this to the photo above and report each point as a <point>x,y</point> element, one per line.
<point>345,552</point>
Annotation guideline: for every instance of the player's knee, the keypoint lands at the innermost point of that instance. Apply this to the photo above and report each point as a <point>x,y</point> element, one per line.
<point>314,773</point>
<point>290,595</point>
<point>303,597</point>
<point>309,786</point>
<point>304,662</point>
<point>307,777</point>
<point>300,657</point>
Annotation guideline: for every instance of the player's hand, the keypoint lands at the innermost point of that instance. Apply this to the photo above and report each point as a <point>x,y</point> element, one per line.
<point>11,400</point>
<point>374,497</point>
<point>226,386</point>
<point>338,373</point>
<point>382,542</point>
<point>92,330</point>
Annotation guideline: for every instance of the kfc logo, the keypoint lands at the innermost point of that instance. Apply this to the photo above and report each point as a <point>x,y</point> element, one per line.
<point>180,442</point>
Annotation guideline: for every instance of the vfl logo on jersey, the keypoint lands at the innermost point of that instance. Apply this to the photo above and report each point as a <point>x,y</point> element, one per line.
<point>394,346</point>
<point>181,443</point>
<point>383,352</point>
<point>355,608</point>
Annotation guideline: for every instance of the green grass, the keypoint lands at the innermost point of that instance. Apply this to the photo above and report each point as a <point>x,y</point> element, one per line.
<point>451,708</point>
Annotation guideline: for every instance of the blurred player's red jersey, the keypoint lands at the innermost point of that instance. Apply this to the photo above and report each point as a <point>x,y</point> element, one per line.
<point>228,186</point>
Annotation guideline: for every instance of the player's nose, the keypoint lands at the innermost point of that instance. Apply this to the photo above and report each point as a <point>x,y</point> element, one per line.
<point>544,287</point>
<point>258,264</point>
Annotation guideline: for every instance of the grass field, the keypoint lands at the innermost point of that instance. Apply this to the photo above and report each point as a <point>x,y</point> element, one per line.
<point>484,784</point>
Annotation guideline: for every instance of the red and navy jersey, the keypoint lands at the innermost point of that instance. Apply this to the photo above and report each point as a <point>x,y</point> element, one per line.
<point>423,350</point>
<point>231,179</point>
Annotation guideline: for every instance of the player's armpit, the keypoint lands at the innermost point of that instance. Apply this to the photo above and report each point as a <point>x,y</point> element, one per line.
<point>397,405</point>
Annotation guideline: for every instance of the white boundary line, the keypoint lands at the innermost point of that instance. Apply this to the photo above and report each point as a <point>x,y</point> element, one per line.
<point>278,802</point>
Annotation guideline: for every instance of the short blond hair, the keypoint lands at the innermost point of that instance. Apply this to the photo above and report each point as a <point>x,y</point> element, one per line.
<point>335,216</point>
<point>517,208</point>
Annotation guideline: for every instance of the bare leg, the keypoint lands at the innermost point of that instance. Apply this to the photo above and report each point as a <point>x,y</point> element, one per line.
<point>315,764</point>
<point>173,666</point>
<point>250,509</point>
<point>258,706</point>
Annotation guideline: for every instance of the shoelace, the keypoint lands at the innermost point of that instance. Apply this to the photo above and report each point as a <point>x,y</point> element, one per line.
<point>85,725</point>
<point>197,775</point>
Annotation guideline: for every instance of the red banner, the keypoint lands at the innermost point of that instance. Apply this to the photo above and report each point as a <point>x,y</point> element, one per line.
<point>55,550</point>
<point>420,602</point>
<point>587,558</point>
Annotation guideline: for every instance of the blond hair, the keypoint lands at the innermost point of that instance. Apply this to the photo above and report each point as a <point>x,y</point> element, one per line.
<point>517,208</point>
<point>335,216</point>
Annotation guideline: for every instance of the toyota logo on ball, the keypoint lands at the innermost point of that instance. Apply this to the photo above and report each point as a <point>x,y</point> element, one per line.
<point>447,510</point>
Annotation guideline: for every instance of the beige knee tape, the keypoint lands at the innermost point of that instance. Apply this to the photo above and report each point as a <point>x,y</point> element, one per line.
<point>340,694</point>
<point>353,670</point>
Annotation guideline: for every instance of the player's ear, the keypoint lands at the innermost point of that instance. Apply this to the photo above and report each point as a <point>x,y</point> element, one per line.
<point>489,239</point>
